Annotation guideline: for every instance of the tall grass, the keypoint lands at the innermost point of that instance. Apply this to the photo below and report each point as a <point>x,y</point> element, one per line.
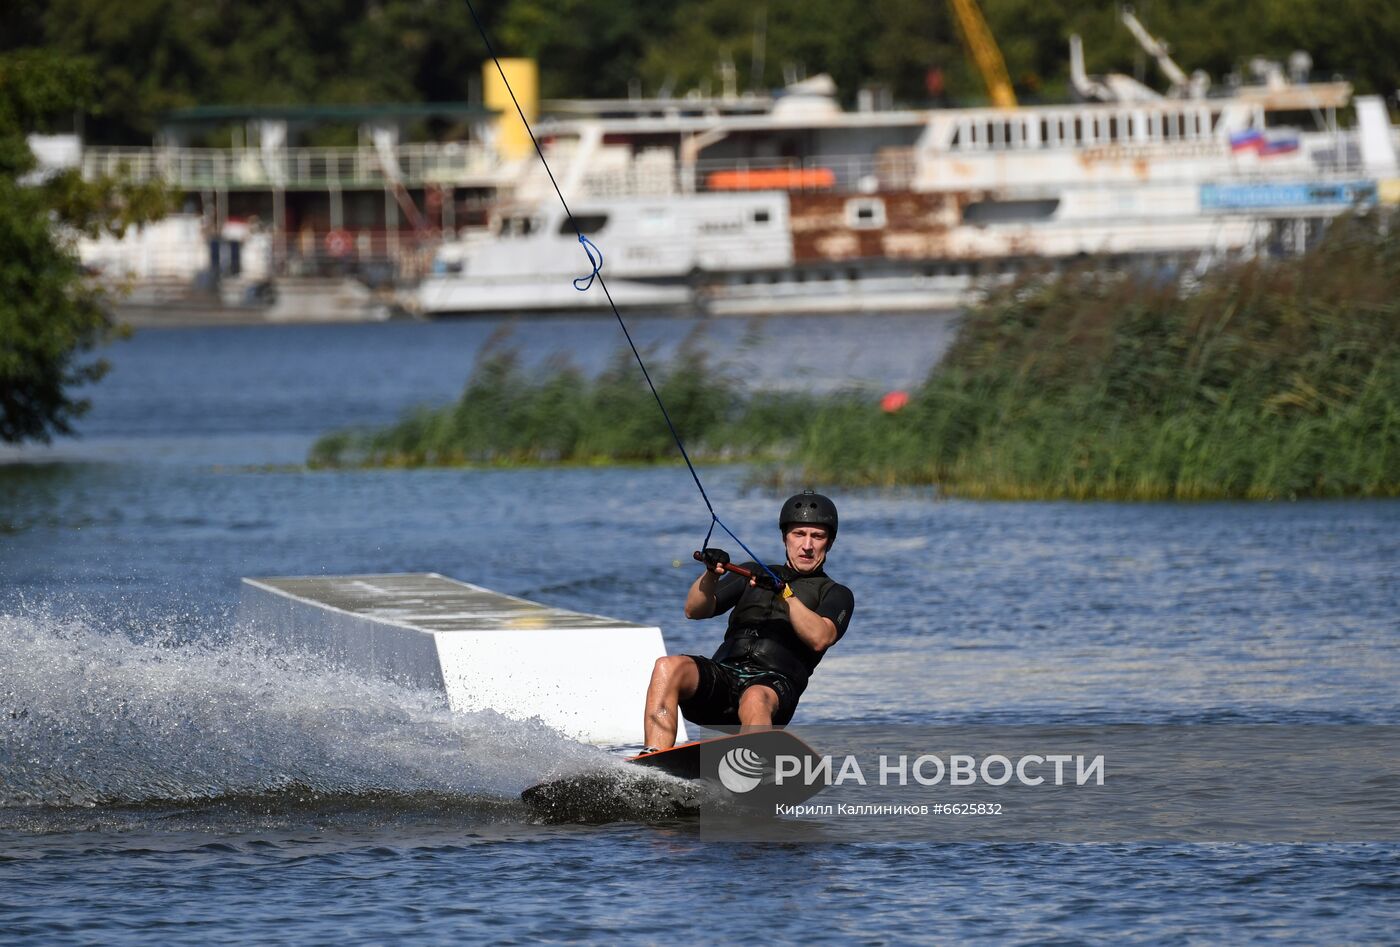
<point>508,415</point>
<point>1265,380</point>
<point>1262,380</point>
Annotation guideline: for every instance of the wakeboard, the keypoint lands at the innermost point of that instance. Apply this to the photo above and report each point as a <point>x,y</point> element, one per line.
<point>731,769</point>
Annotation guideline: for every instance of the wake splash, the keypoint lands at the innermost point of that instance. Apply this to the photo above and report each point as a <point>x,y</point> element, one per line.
<point>89,719</point>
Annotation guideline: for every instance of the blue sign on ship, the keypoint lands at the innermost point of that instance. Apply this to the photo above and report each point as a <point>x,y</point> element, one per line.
<point>1266,196</point>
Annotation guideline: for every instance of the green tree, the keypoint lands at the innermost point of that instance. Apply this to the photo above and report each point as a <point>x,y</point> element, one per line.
<point>50,314</point>
<point>155,55</point>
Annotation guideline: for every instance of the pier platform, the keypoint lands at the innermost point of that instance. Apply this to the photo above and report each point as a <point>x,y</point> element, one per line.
<point>584,675</point>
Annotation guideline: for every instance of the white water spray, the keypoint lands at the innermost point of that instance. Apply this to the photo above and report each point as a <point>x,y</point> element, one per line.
<point>88,718</point>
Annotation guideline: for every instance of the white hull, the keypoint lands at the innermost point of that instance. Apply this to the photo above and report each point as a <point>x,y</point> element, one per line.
<point>455,295</point>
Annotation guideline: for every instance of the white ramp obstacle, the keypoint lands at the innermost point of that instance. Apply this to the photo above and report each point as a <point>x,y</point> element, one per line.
<point>584,675</point>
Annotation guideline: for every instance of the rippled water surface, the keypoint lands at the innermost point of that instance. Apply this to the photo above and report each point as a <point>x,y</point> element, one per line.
<point>162,781</point>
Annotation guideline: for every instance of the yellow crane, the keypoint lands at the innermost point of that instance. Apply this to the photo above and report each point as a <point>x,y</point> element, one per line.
<point>985,53</point>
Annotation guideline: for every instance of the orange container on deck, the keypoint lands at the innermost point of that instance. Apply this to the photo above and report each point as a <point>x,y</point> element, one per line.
<point>772,179</point>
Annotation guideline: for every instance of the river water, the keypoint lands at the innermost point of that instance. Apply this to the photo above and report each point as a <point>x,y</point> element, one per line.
<point>161,780</point>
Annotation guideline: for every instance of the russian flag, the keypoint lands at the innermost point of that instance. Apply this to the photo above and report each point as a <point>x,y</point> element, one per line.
<point>1249,140</point>
<point>1256,141</point>
<point>1279,146</point>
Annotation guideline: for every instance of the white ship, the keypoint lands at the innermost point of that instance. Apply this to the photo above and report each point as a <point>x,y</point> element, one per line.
<point>752,205</point>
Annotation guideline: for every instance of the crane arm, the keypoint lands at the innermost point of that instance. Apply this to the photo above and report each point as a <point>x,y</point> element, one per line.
<point>1156,49</point>
<point>985,53</point>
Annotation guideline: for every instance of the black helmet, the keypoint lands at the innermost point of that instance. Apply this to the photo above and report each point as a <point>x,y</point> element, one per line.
<point>811,509</point>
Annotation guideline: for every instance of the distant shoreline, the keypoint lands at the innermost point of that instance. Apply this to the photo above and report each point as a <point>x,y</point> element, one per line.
<point>1261,380</point>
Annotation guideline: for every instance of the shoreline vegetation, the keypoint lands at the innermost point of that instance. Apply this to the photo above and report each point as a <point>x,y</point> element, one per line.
<point>1260,380</point>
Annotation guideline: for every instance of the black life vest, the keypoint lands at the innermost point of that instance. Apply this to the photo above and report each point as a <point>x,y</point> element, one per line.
<point>760,633</point>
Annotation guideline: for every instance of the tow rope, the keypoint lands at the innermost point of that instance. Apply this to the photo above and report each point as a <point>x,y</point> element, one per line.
<point>595,262</point>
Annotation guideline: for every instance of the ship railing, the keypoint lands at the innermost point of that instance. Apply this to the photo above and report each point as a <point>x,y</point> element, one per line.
<point>419,165</point>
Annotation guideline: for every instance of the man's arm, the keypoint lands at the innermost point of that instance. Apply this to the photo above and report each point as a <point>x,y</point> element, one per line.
<point>816,632</point>
<point>700,600</point>
<point>822,628</point>
<point>717,590</point>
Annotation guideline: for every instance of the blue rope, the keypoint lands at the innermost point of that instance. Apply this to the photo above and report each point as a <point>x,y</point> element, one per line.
<point>597,264</point>
<point>591,249</point>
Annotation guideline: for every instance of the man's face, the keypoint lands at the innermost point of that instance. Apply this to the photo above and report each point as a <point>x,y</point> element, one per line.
<point>806,547</point>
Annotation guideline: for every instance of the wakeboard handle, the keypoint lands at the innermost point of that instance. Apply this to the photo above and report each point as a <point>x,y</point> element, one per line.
<point>763,579</point>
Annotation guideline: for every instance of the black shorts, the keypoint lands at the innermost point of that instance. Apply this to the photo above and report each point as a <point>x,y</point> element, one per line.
<point>716,699</point>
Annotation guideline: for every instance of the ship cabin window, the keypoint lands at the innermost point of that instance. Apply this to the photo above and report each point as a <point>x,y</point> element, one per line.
<point>519,226</point>
<point>955,142</point>
<point>865,213</point>
<point>586,224</point>
<point>1113,128</point>
<point>1306,120</point>
<point>761,216</point>
<point>1079,131</point>
<point>981,213</point>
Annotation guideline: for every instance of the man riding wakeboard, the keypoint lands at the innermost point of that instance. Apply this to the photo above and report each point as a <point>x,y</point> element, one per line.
<point>777,632</point>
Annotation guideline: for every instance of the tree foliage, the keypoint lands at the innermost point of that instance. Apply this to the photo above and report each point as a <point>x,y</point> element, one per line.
<point>154,55</point>
<point>50,314</point>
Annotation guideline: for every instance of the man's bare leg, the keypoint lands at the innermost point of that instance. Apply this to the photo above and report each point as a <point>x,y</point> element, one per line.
<point>673,679</point>
<point>757,705</point>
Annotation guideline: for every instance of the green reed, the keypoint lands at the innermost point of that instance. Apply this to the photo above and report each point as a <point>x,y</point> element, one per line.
<point>509,416</point>
<point>1260,380</point>
<point>1263,380</point>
